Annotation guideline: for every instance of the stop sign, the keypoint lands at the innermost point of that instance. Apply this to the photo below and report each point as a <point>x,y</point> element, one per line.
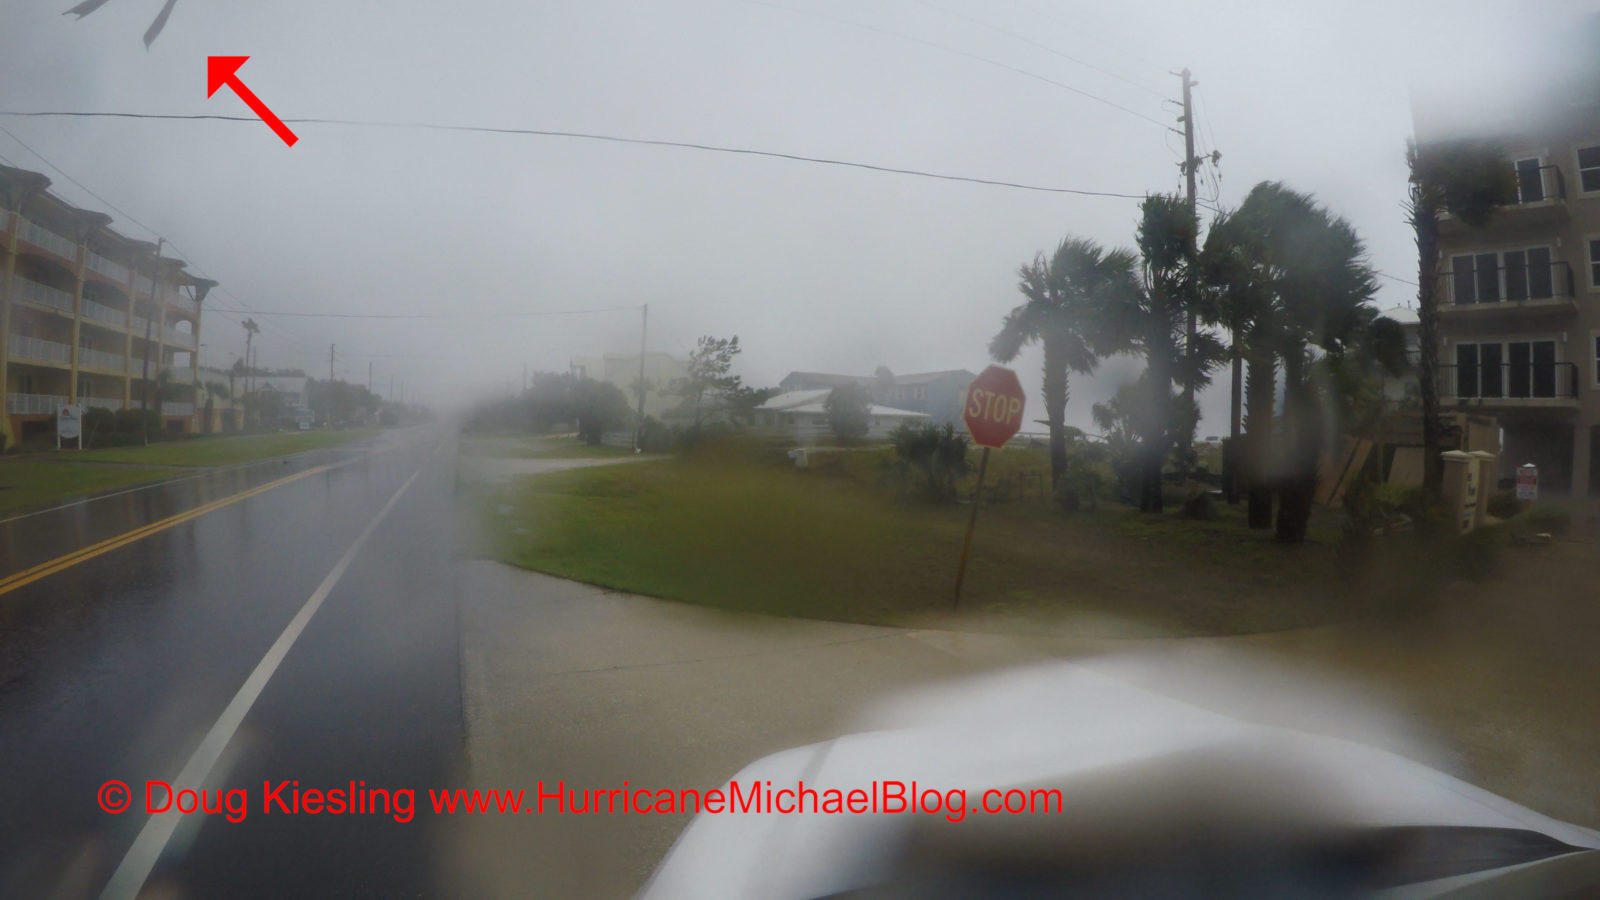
<point>994,407</point>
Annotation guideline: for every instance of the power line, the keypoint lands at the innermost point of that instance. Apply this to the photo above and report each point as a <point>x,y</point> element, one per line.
<point>1046,48</point>
<point>482,315</point>
<point>1382,274</point>
<point>983,59</point>
<point>578,135</point>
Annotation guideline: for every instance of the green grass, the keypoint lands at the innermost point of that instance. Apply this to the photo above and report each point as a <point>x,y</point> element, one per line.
<point>25,484</point>
<point>836,542</point>
<point>217,451</point>
<point>536,447</point>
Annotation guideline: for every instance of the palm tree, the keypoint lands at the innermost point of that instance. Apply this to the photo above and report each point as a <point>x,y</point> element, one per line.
<point>1468,180</point>
<point>1062,294</point>
<point>1149,314</point>
<point>150,34</point>
<point>1240,300</point>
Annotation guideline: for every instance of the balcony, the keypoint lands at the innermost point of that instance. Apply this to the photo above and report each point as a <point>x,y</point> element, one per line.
<point>105,315</point>
<point>105,402</point>
<point>99,359</point>
<point>174,408</point>
<point>1540,288</point>
<point>109,268</point>
<point>142,326</point>
<point>188,305</point>
<point>33,404</point>
<point>48,240</point>
<point>179,338</point>
<point>30,291</point>
<point>144,286</point>
<point>35,350</point>
<point>1511,385</point>
<point>1541,200</point>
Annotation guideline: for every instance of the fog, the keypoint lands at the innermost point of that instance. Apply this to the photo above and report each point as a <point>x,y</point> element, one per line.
<point>814,267</point>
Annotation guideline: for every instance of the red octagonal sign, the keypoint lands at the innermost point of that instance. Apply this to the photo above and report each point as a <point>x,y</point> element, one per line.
<point>994,407</point>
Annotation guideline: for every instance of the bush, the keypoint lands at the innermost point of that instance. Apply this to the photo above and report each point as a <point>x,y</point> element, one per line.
<point>1504,505</point>
<point>1085,481</point>
<point>656,436</point>
<point>1546,519</point>
<point>938,455</point>
<point>1199,506</point>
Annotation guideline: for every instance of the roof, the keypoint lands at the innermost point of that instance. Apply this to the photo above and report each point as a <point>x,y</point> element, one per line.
<point>815,402</point>
<point>829,379</point>
<point>926,377</point>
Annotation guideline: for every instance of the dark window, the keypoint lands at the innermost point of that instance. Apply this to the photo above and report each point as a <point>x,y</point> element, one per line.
<point>1530,186</point>
<point>1589,168</point>
<point>1541,273</point>
<point>1461,280</point>
<point>1488,277</point>
<point>1597,359</point>
<point>1491,373</point>
<point>1594,263</point>
<point>1516,275</point>
<point>1544,368</point>
<point>1466,370</point>
<point>1519,370</point>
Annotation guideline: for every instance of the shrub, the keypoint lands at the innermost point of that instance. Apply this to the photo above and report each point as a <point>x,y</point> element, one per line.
<point>1085,481</point>
<point>937,455</point>
<point>656,436</point>
<point>1504,504</point>
<point>1545,519</point>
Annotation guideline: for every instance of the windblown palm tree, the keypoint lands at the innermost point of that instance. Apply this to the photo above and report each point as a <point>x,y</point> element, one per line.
<point>1063,294</point>
<point>150,34</point>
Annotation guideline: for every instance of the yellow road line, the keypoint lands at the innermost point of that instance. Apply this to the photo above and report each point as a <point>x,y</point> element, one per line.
<point>28,576</point>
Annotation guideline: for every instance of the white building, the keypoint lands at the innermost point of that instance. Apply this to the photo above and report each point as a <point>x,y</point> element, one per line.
<point>803,416</point>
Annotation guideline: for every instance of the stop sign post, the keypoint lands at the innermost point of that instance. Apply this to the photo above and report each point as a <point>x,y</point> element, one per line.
<point>993,416</point>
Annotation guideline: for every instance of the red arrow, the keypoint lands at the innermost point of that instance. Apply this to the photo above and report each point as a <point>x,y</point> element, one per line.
<point>223,70</point>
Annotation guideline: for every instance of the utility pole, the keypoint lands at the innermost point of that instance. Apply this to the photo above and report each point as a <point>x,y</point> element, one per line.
<point>1189,174</point>
<point>329,392</point>
<point>524,378</point>
<point>391,388</point>
<point>638,425</point>
<point>369,376</point>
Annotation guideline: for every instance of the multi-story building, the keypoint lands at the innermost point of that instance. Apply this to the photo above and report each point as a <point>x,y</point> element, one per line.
<point>940,396</point>
<point>1519,298</point>
<point>662,372</point>
<point>89,317</point>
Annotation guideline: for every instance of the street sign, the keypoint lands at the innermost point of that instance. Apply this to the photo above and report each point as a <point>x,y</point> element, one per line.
<point>69,425</point>
<point>1527,482</point>
<point>994,407</point>
<point>993,416</point>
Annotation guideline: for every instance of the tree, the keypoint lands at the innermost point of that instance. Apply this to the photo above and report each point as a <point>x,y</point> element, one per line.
<point>708,375</point>
<point>1240,301</point>
<point>1148,315</point>
<point>597,407</point>
<point>849,409</point>
<point>1063,294</point>
<point>150,34</point>
<point>938,454</point>
<point>1468,180</point>
<point>883,385</point>
<point>741,402</point>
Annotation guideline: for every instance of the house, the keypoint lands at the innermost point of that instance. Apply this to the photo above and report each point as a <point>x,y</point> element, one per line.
<point>940,396</point>
<point>802,416</point>
<point>1519,298</point>
<point>661,373</point>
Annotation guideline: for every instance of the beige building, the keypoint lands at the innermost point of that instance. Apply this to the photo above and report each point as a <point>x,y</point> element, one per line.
<point>661,373</point>
<point>88,316</point>
<point>1519,299</point>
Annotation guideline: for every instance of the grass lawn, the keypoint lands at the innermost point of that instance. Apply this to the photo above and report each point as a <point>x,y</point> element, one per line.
<point>25,484</point>
<point>40,479</point>
<point>217,451</point>
<point>837,541</point>
<point>537,447</point>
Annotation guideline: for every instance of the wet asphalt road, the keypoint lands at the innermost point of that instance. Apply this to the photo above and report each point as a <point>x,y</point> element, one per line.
<point>117,667</point>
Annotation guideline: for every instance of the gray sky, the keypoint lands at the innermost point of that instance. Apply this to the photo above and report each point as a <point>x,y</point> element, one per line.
<point>814,267</point>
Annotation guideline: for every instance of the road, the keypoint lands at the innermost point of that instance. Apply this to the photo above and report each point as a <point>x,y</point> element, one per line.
<point>311,620</point>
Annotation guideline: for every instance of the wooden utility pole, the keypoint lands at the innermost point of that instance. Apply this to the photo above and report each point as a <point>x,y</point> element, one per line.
<point>1189,176</point>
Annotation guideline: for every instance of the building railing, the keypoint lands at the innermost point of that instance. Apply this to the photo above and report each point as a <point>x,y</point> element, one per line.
<point>1509,381</point>
<point>45,239</point>
<point>110,268</point>
<point>1507,284</point>
<point>99,312</point>
<point>112,403</point>
<point>180,375</point>
<point>33,404</point>
<point>38,350</point>
<point>187,304</point>
<point>181,338</point>
<point>176,408</point>
<point>5,220</point>
<point>43,294</point>
<point>100,359</point>
<point>1536,185</point>
<point>142,326</point>
<point>143,285</point>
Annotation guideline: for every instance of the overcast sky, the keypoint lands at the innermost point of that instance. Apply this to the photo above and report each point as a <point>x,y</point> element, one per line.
<point>813,267</point>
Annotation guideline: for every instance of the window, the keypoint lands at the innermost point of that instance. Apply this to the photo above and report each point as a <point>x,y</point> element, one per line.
<point>1596,339</point>
<point>1526,274</point>
<point>1594,264</point>
<point>1515,369</point>
<point>1530,180</point>
<point>25,383</point>
<point>1589,169</point>
<point>84,387</point>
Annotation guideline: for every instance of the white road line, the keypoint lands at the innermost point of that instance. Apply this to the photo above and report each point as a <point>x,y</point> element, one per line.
<point>141,858</point>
